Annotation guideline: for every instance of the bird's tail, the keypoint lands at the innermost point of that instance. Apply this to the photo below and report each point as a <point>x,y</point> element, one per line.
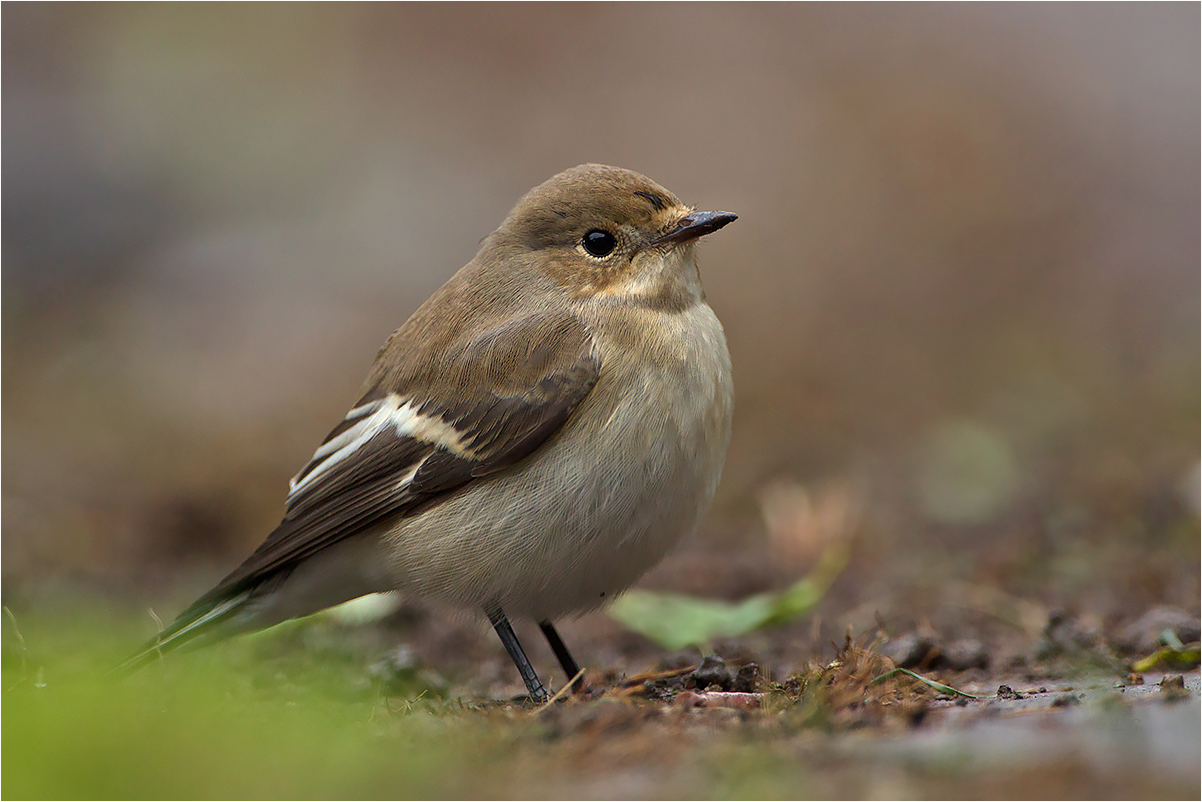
<point>207,619</point>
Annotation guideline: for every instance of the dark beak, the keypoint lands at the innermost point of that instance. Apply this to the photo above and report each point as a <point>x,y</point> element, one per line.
<point>695,225</point>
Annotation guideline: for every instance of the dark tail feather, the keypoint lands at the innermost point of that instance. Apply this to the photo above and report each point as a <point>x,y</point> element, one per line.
<point>204,617</point>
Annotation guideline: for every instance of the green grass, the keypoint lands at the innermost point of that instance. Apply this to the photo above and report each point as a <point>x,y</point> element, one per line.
<point>225,723</point>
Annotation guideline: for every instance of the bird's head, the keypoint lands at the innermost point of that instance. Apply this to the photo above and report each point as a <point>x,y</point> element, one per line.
<point>610,235</point>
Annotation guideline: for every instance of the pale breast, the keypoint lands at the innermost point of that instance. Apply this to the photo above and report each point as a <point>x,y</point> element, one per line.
<point>629,475</point>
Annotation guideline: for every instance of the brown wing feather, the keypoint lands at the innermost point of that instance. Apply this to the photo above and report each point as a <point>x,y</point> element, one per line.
<point>530,374</point>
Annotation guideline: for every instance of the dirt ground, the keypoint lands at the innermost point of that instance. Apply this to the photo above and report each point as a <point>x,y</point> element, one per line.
<point>1096,697</point>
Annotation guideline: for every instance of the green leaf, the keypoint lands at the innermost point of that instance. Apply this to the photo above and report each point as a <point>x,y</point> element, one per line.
<point>939,686</point>
<point>675,621</point>
<point>1183,659</point>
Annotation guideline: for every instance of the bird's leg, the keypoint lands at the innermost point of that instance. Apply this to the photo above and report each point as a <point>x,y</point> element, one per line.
<point>562,654</point>
<point>505,632</point>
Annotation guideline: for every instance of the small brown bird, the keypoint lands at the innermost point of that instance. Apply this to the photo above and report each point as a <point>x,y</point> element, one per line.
<point>540,433</point>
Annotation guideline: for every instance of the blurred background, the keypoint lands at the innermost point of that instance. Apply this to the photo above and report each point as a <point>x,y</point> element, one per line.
<point>962,297</point>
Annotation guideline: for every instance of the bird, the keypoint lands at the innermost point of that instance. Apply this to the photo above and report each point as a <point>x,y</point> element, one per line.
<point>541,432</point>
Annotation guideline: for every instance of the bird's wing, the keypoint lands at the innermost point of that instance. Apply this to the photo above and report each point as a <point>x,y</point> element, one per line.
<point>445,419</point>
<point>414,440</point>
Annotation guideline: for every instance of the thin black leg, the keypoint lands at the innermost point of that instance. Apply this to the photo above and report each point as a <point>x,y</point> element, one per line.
<point>562,654</point>
<point>505,632</point>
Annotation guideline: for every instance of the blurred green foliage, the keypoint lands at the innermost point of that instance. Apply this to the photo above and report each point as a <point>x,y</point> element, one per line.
<point>217,724</point>
<point>674,620</point>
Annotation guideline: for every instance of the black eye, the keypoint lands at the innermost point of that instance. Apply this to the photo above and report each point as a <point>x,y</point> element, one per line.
<point>599,243</point>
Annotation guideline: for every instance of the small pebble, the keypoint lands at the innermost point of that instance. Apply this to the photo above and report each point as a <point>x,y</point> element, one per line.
<point>1172,689</point>
<point>746,679</point>
<point>712,673</point>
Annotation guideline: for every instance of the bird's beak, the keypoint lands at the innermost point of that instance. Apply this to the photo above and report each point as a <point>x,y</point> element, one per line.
<point>695,224</point>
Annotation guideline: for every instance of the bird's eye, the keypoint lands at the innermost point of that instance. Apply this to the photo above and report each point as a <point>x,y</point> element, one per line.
<point>599,243</point>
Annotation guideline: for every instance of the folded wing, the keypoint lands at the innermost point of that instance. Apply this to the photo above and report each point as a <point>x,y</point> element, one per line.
<point>414,439</point>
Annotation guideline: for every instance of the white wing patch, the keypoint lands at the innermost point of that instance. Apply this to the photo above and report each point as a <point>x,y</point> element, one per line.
<point>376,416</point>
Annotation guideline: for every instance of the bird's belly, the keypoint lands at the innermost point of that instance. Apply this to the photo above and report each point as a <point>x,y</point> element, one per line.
<point>566,532</point>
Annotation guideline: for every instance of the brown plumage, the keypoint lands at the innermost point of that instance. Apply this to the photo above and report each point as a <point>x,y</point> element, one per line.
<point>536,436</point>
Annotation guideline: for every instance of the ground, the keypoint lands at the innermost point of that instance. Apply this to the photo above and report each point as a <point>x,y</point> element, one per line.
<point>421,703</point>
